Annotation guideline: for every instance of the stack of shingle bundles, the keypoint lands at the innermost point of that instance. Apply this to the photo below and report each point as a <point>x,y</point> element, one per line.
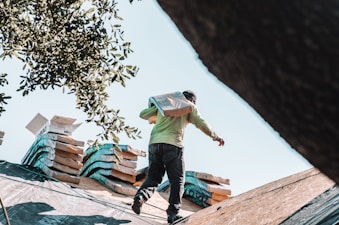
<point>116,169</point>
<point>206,189</point>
<point>54,150</point>
<point>57,155</point>
<point>202,188</point>
<point>2,134</point>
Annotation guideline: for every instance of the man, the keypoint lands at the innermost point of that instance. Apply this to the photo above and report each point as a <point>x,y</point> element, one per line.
<point>166,155</point>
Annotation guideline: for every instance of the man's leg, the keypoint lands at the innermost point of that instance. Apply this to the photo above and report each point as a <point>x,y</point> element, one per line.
<point>155,175</point>
<point>175,168</point>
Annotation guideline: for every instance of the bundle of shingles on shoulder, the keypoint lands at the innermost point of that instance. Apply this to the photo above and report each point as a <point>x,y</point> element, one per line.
<point>54,150</point>
<point>203,189</point>
<point>114,166</point>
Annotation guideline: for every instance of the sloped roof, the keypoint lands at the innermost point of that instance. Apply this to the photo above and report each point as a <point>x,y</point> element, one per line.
<point>30,197</point>
<point>269,204</point>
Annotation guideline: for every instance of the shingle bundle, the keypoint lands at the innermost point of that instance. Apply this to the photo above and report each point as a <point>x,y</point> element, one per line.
<point>171,104</point>
<point>59,156</point>
<point>202,188</point>
<point>115,169</point>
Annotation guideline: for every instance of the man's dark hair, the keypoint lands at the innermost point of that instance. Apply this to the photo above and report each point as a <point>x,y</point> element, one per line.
<point>190,95</point>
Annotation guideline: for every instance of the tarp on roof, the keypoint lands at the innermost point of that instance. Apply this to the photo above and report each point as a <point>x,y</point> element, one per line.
<point>323,209</point>
<point>30,198</point>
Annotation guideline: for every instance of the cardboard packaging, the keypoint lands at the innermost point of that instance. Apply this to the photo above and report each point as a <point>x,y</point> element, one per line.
<point>171,104</point>
<point>58,124</point>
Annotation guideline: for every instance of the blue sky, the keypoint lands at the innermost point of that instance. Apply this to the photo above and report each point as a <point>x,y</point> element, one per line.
<point>254,154</point>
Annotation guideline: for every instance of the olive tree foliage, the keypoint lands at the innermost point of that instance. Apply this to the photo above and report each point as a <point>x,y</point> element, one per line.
<point>73,44</point>
<point>3,97</point>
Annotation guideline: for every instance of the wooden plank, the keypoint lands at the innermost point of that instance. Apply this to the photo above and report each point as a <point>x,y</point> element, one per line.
<point>69,148</point>
<point>123,176</point>
<point>135,151</point>
<point>211,201</point>
<point>127,155</point>
<point>125,169</point>
<point>219,198</point>
<point>218,189</point>
<point>128,163</point>
<point>68,162</point>
<point>114,185</point>
<point>112,158</point>
<point>65,169</point>
<point>69,155</point>
<point>208,177</point>
<point>69,140</point>
<point>66,177</point>
<point>57,175</point>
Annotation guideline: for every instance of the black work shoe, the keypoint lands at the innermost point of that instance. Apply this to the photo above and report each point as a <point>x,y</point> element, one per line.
<point>172,218</point>
<point>137,203</point>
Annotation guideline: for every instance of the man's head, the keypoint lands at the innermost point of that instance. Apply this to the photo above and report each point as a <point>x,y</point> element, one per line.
<point>190,96</point>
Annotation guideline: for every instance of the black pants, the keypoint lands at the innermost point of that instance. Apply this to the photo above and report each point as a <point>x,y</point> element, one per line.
<point>165,158</point>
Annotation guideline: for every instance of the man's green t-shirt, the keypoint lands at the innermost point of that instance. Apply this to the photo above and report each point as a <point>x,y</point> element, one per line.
<point>170,130</point>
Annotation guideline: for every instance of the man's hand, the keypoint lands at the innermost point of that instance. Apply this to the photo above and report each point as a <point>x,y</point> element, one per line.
<point>152,119</point>
<point>221,141</point>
